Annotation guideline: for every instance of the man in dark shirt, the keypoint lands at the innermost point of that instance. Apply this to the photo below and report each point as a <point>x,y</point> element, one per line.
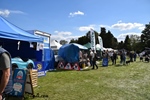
<point>5,73</point>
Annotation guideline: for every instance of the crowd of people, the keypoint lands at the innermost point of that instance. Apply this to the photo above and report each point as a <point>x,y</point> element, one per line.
<point>124,57</point>
<point>89,58</point>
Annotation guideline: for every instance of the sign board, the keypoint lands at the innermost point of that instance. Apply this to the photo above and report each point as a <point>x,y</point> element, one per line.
<point>22,82</point>
<point>60,65</point>
<point>19,81</point>
<point>68,66</point>
<point>29,84</point>
<point>105,62</point>
<point>40,67</point>
<point>76,66</point>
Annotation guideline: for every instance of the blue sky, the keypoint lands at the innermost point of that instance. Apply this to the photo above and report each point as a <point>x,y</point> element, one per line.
<point>70,19</point>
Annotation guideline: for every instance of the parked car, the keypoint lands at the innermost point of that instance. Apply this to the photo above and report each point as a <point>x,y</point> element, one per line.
<point>22,63</point>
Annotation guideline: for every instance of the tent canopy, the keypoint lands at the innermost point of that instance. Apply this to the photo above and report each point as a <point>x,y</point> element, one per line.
<point>55,45</point>
<point>88,45</point>
<point>10,31</point>
<point>80,46</point>
<point>98,46</point>
<point>69,52</point>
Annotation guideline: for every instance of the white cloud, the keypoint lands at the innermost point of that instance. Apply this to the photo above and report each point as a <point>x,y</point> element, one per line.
<point>141,28</point>
<point>6,12</point>
<point>122,37</point>
<point>17,12</point>
<point>63,36</point>
<point>126,26</point>
<point>72,14</point>
<point>64,33</point>
<point>87,28</point>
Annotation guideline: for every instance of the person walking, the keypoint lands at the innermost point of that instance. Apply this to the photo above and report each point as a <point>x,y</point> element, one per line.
<point>94,61</point>
<point>5,73</point>
<point>91,57</point>
<point>123,57</point>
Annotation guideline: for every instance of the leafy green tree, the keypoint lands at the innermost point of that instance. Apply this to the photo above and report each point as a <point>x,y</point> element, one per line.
<point>134,42</point>
<point>62,42</point>
<point>121,45</point>
<point>114,43</point>
<point>109,41</point>
<point>127,45</point>
<point>73,41</point>
<point>145,37</point>
<point>83,40</point>
<point>103,36</point>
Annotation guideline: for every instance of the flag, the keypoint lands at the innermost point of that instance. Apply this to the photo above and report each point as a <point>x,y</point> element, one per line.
<point>92,35</point>
<point>100,42</point>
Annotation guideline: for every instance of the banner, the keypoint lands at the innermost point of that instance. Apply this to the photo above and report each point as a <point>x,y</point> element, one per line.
<point>105,62</point>
<point>100,42</point>
<point>19,81</point>
<point>92,36</point>
<point>40,67</point>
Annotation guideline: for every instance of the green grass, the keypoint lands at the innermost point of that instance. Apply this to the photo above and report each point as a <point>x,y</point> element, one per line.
<point>115,82</point>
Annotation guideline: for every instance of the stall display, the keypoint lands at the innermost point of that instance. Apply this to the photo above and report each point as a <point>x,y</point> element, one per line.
<point>21,64</point>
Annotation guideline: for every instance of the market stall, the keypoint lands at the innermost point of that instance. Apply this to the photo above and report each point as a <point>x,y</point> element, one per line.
<point>70,53</point>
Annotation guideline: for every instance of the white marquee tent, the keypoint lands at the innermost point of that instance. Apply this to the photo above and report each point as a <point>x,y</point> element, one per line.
<point>55,45</point>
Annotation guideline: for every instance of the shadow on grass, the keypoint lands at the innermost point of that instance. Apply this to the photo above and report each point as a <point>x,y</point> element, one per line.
<point>63,70</point>
<point>119,65</point>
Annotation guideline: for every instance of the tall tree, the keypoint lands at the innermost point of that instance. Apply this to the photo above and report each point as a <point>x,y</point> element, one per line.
<point>103,36</point>
<point>145,37</point>
<point>127,45</point>
<point>121,45</point>
<point>109,41</point>
<point>62,42</point>
<point>134,41</point>
<point>83,40</point>
<point>73,41</point>
<point>114,43</point>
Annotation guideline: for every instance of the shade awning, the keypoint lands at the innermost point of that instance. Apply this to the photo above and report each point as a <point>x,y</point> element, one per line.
<point>10,31</point>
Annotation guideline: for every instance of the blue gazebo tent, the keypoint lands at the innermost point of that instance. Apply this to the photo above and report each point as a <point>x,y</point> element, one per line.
<point>10,31</point>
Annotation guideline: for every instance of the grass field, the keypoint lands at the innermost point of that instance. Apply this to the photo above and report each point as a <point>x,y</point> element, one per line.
<point>115,82</point>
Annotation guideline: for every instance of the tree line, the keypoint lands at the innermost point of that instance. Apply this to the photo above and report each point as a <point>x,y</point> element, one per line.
<point>131,43</point>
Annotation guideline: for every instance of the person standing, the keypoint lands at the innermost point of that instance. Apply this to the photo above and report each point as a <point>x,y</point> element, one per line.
<point>105,58</point>
<point>131,56</point>
<point>111,56</point>
<point>121,57</point>
<point>135,55</point>
<point>124,57</point>
<point>114,57</point>
<point>5,73</point>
